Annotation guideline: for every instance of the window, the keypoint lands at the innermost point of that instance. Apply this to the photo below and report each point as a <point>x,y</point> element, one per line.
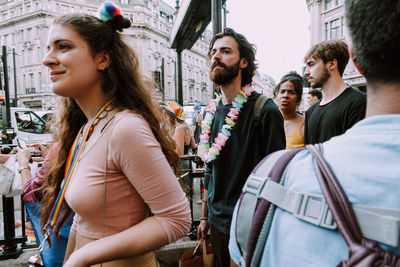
<point>24,80</point>
<point>29,34</point>
<point>40,81</point>
<point>327,31</point>
<point>32,82</point>
<point>37,32</point>
<point>328,4</point>
<point>29,122</point>
<point>38,56</point>
<point>334,29</point>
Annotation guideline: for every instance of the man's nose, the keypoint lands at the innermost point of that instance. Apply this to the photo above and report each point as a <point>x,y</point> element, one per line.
<point>307,71</point>
<point>216,56</point>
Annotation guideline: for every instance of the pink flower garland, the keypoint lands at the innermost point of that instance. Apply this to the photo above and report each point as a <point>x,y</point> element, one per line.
<point>209,153</point>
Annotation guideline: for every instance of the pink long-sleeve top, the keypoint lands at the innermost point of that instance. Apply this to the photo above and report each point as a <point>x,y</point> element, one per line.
<point>138,178</point>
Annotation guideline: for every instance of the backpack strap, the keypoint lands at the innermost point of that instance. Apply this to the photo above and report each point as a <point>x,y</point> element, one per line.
<point>258,106</point>
<point>378,224</point>
<point>248,228</point>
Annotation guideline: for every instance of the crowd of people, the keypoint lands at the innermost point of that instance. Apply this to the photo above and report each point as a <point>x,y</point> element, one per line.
<point>115,161</point>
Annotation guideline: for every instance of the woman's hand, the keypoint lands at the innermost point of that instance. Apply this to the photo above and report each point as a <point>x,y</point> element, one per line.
<point>23,156</point>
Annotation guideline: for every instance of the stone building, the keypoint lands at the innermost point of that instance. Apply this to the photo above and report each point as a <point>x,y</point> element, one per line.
<point>327,21</point>
<point>24,26</point>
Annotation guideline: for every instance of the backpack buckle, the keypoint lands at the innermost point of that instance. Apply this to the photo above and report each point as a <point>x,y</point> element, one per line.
<point>314,209</point>
<point>254,184</point>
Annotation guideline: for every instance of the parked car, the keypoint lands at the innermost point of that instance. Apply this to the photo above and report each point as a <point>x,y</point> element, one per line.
<point>26,125</point>
<point>45,114</point>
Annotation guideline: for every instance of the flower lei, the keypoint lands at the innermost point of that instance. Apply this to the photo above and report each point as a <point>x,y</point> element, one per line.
<point>206,152</point>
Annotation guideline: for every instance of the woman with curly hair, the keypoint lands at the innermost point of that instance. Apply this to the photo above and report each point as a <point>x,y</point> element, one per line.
<point>114,161</point>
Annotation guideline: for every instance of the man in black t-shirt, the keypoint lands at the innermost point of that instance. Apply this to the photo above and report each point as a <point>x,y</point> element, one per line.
<point>341,106</point>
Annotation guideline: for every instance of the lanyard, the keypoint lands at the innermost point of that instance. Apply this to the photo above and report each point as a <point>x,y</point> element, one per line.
<point>72,160</point>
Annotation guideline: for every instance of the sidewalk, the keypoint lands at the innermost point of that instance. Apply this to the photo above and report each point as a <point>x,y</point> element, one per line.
<point>22,260</point>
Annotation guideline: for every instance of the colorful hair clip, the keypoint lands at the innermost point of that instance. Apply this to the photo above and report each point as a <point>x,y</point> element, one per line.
<point>108,11</point>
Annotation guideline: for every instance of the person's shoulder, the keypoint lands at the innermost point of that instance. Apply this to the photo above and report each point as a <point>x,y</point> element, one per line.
<point>313,107</point>
<point>129,121</point>
<point>269,103</point>
<point>357,94</point>
<point>356,97</point>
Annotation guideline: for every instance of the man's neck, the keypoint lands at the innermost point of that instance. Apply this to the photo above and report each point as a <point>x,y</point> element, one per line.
<point>382,100</point>
<point>332,88</point>
<point>229,91</point>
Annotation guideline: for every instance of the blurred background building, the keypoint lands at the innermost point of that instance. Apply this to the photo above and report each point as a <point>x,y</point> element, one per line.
<point>24,26</point>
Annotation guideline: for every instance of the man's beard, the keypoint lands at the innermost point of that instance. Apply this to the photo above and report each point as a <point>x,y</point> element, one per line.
<point>318,83</point>
<point>224,75</point>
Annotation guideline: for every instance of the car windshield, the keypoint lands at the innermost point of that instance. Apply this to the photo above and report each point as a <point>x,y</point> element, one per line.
<point>29,122</point>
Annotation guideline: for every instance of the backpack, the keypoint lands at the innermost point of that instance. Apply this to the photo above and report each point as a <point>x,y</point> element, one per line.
<point>258,106</point>
<point>263,188</point>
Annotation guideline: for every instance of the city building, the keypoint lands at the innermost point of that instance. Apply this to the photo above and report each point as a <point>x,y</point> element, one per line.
<point>327,21</point>
<point>24,27</point>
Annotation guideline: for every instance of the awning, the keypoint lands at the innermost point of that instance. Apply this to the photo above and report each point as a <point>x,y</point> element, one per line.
<point>192,19</point>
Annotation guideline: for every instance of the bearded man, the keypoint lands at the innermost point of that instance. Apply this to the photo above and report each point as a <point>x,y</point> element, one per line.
<point>341,106</point>
<point>233,140</point>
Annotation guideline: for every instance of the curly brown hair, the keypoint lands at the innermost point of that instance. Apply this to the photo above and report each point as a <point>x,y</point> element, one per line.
<point>328,50</point>
<point>122,83</point>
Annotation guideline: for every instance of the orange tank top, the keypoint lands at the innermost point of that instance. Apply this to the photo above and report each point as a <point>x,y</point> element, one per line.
<point>295,139</point>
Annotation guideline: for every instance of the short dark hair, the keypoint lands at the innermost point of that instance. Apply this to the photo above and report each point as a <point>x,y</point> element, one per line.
<point>246,50</point>
<point>328,50</point>
<point>375,30</point>
<point>316,92</point>
<point>297,81</point>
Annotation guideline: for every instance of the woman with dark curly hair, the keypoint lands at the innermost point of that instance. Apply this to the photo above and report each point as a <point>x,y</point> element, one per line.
<point>288,95</point>
<point>114,162</point>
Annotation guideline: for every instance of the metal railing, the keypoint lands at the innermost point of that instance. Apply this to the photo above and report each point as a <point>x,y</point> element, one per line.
<point>187,178</point>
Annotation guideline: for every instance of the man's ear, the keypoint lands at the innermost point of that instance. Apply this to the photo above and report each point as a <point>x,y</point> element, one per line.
<point>353,57</point>
<point>103,60</point>
<point>243,63</point>
<point>332,64</point>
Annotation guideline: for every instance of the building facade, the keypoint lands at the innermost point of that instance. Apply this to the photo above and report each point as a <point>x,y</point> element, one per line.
<point>327,21</point>
<point>24,25</point>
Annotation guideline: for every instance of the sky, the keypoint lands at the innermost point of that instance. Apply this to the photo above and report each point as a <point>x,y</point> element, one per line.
<point>278,28</point>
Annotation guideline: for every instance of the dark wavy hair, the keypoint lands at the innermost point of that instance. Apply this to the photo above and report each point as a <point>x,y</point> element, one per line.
<point>246,50</point>
<point>122,83</point>
<point>297,81</point>
<point>375,30</point>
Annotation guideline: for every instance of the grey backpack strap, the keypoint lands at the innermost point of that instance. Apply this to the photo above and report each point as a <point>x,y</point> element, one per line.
<point>258,106</point>
<point>378,224</point>
<point>248,200</point>
<point>271,167</point>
